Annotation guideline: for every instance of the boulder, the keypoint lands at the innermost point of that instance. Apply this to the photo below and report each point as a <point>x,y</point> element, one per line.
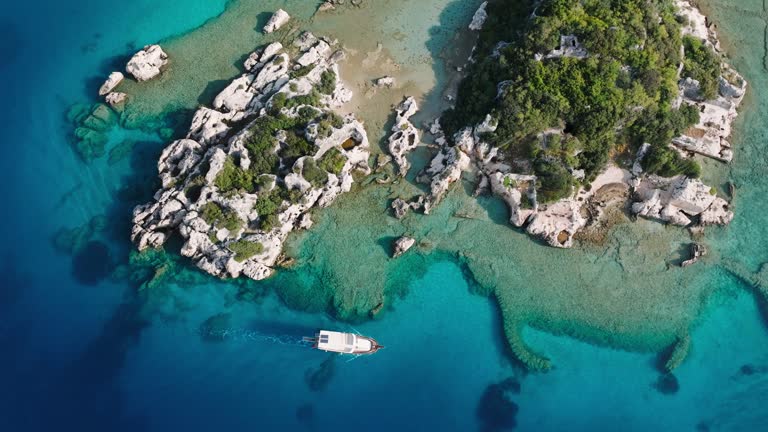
<point>278,19</point>
<point>112,81</point>
<point>146,64</point>
<point>402,245</point>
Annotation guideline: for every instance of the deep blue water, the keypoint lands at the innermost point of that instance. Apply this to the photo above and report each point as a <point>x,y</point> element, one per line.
<point>79,356</point>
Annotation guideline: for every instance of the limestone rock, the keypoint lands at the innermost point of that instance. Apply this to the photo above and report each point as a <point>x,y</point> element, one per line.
<point>402,245</point>
<point>116,98</point>
<point>278,19</point>
<point>698,250</point>
<point>405,136</point>
<point>146,64</point>
<point>112,81</point>
<point>386,81</point>
<point>478,20</point>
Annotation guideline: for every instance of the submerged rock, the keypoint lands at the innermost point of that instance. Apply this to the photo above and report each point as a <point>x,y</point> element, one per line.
<point>147,63</point>
<point>698,250</point>
<point>278,19</point>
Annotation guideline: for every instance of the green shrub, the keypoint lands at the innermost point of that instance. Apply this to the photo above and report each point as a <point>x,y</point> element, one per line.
<point>327,82</point>
<point>296,146</point>
<point>313,174</point>
<point>333,161</point>
<point>302,71</point>
<point>232,177</point>
<point>702,64</point>
<point>244,249</point>
<point>311,99</point>
<point>214,215</point>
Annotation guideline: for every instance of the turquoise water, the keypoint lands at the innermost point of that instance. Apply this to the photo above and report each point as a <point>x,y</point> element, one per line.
<point>97,356</point>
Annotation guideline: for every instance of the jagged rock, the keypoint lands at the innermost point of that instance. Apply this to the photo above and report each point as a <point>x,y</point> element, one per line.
<point>278,19</point>
<point>679,199</point>
<point>177,160</point>
<point>401,207</point>
<point>697,251</point>
<point>405,136</point>
<point>112,81</point>
<point>116,98</point>
<point>208,125</point>
<point>386,81</point>
<point>257,59</point>
<point>306,221</point>
<point>515,190</point>
<point>478,20</point>
<point>402,245</point>
<point>557,223</point>
<point>146,64</point>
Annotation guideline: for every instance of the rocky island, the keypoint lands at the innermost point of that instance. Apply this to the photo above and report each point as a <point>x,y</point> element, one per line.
<point>251,167</point>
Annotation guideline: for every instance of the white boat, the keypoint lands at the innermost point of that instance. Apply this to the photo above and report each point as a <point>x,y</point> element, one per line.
<point>344,343</point>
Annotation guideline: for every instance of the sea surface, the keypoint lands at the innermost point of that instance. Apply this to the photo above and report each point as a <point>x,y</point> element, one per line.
<point>82,349</point>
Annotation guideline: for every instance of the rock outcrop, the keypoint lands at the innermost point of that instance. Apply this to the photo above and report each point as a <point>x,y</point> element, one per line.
<point>405,137</point>
<point>402,245</point>
<point>234,188</point>
<point>478,20</point>
<point>147,63</point>
<point>112,81</point>
<point>278,19</point>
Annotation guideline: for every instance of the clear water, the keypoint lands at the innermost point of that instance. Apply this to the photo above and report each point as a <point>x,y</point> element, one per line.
<point>80,356</point>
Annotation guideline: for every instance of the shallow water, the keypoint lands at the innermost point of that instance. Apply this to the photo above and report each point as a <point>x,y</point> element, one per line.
<point>80,356</point>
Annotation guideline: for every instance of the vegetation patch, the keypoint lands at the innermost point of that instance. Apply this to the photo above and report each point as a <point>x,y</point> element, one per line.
<point>333,161</point>
<point>215,215</point>
<point>245,249</point>
<point>614,100</point>
<point>702,64</point>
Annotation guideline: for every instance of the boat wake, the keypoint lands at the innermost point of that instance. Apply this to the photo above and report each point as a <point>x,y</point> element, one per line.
<point>247,335</point>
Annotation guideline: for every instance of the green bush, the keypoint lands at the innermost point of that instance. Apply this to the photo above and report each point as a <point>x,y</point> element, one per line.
<point>333,161</point>
<point>327,82</point>
<point>296,146</point>
<point>213,214</point>
<point>232,177</point>
<point>244,249</point>
<point>313,174</point>
<point>702,64</point>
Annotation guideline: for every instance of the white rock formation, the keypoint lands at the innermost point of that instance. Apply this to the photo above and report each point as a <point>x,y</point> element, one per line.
<point>387,82</point>
<point>710,137</point>
<point>189,168</point>
<point>279,19</point>
<point>478,20</point>
<point>112,81</point>
<point>405,137</point>
<point>147,63</point>
<point>116,98</point>
<point>679,200</point>
<point>402,245</point>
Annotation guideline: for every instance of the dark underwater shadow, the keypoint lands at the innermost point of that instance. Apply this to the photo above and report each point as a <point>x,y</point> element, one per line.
<point>212,89</point>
